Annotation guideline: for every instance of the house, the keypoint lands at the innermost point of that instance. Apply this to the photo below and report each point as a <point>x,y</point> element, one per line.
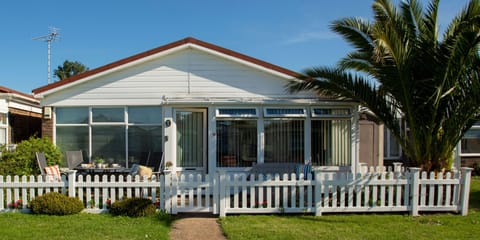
<point>20,116</point>
<point>200,106</point>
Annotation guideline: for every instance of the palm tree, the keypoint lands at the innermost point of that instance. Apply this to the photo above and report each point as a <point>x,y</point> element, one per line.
<point>69,69</point>
<point>401,68</point>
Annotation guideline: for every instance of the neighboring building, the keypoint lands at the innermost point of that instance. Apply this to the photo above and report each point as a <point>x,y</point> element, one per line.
<point>20,116</point>
<point>203,106</point>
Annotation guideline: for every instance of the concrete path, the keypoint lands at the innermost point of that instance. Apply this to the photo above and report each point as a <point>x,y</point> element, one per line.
<point>196,227</point>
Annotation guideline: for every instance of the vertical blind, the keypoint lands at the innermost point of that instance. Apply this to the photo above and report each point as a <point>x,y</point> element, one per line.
<point>189,139</point>
<point>284,141</point>
<point>331,142</point>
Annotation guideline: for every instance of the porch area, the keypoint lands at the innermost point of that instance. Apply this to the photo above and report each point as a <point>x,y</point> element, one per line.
<point>380,190</point>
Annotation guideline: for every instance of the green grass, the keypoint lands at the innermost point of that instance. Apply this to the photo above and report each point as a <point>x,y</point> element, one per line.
<point>359,226</point>
<point>81,226</point>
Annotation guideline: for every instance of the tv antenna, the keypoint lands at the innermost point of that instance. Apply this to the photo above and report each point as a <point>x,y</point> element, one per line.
<point>54,35</point>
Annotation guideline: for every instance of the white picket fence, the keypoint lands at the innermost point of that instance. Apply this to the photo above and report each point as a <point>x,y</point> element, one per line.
<point>226,193</point>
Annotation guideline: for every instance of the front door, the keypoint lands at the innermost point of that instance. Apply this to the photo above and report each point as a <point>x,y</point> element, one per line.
<point>191,139</point>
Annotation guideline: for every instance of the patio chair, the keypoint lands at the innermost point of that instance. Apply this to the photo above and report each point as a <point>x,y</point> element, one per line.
<point>51,173</point>
<point>42,162</point>
<point>160,166</point>
<point>74,158</point>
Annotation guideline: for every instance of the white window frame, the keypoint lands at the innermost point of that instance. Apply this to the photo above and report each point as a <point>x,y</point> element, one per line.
<point>287,115</point>
<point>332,116</point>
<point>90,124</point>
<point>219,115</point>
<point>386,142</point>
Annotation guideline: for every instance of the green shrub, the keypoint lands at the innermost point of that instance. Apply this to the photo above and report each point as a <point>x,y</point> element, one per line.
<point>54,203</point>
<point>22,161</point>
<point>133,207</point>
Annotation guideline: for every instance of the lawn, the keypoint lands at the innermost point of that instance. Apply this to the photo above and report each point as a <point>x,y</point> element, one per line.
<point>359,226</point>
<point>81,226</point>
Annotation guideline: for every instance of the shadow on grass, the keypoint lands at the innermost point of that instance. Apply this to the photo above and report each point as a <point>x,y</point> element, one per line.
<point>474,200</point>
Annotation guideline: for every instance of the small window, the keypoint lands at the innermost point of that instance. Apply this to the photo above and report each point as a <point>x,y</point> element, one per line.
<point>331,112</point>
<point>470,143</point>
<point>145,115</point>
<point>285,112</point>
<point>71,115</point>
<point>108,115</point>
<point>237,112</point>
<point>3,119</point>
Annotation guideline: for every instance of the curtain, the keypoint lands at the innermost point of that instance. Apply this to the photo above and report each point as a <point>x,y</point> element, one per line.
<point>189,139</point>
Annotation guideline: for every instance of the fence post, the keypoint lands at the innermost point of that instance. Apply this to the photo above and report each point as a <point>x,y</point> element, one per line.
<point>318,192</point>
<point>71,182</point>
<point>397,166</point>
<point>168,191</point>
<point>215,189</point>
<point>222,193</point>
<point>414,189</point>
<point>465,189</point>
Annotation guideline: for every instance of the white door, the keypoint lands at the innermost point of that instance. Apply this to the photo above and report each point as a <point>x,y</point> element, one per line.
<point>191,139</point>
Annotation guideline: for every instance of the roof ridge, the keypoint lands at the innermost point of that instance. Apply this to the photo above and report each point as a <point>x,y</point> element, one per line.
<point>162,48</point>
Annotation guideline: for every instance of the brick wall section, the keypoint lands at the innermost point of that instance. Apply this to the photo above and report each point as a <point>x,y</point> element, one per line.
<point>47,128</point>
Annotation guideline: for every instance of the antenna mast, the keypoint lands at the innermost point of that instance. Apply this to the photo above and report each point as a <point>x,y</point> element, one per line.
<point>54,35</point>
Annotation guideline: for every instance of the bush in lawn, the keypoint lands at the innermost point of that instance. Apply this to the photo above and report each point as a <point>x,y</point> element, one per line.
<point>22,160</point>
<point>133,207</point>
<point>54,203</point>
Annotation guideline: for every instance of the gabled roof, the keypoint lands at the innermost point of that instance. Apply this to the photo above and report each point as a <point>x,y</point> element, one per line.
<point>17,93</point>
<point>165,48</point>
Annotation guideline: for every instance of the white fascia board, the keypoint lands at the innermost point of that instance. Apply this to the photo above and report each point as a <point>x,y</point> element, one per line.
<point>25,107</point>
<point>241,61</point>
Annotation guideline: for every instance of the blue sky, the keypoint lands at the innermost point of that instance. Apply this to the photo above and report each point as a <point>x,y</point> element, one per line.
<point>288,33</point>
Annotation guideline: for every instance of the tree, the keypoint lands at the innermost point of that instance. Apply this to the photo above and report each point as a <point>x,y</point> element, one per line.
<point>69,69</point>
<point>400,65</point>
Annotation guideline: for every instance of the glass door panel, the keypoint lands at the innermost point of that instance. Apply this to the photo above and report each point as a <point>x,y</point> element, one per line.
<point>191,132</point>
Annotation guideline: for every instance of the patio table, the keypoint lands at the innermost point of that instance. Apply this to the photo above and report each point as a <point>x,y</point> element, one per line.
<point>103,170</point>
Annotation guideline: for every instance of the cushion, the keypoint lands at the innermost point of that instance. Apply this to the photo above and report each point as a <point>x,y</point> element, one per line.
<point>144,171</point>
<point>134,169</point>
<point>53,173</point>
<point>303,168</point>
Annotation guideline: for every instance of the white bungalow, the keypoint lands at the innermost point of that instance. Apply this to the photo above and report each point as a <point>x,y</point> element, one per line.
<point>203,107</point>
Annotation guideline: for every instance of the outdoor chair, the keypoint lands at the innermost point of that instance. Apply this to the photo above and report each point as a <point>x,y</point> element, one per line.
<point>159,166</point>
<point>50,173</point>
<point>42,162</point>
<point>74,158</point>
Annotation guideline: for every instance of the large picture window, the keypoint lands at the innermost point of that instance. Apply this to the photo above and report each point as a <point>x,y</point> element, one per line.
<point>116,134</point>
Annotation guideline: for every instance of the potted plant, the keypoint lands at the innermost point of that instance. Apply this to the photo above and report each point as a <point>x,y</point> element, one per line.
<point>100,162</point>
